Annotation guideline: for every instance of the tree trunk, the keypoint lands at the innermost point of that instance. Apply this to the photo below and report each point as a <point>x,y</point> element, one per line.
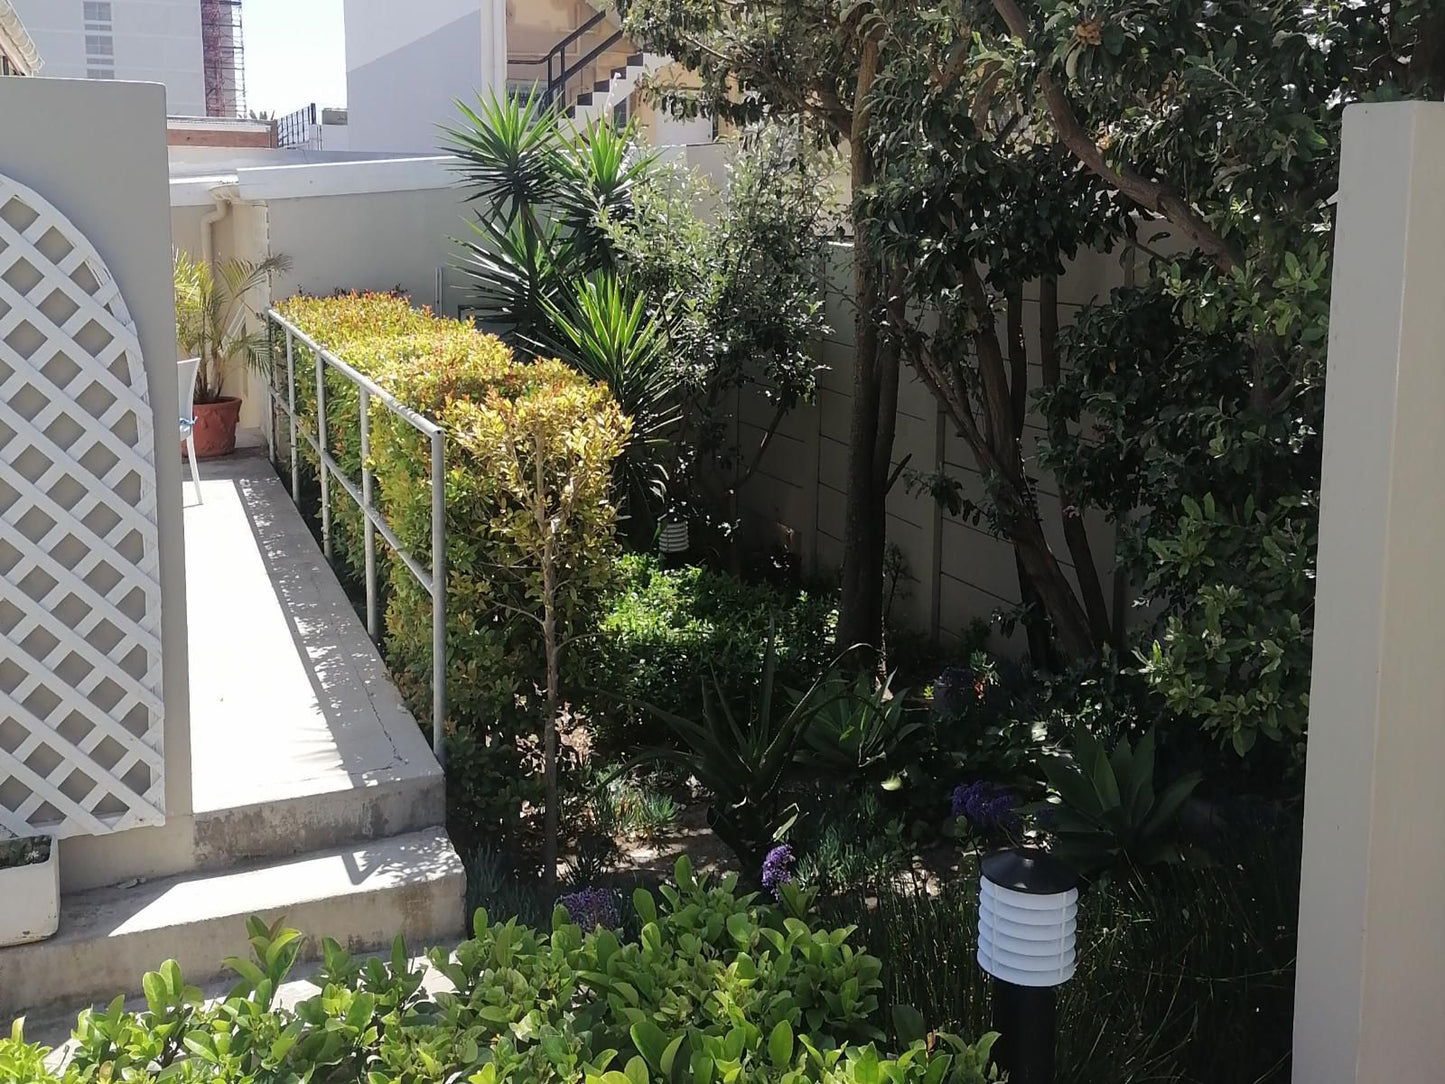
<point>1076,534</point>
<point>874,409</point>
<point>1036,618</point>
<point>1002,458</point>
<point>550,826</point>
<point>549,732</point>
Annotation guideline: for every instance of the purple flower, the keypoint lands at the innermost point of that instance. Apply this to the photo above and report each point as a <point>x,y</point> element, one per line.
<point>590,908</point>
<point>986,806</point>
<point>955,689</point>
<point>778,869</point>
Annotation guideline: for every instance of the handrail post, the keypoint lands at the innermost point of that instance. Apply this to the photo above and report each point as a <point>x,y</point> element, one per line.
<point>373,626</point>
<point>270,393</point>
<point>322,453</point>
<point>439,594</point>
<point>291,404</point>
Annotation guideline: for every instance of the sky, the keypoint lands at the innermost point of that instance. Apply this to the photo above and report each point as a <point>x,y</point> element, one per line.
<point>295,54</point>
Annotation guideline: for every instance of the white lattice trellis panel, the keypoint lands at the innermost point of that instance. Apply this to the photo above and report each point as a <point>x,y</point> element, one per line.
<point>80,603</point>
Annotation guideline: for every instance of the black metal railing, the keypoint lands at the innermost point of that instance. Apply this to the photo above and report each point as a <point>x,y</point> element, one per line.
<point>560,73</point>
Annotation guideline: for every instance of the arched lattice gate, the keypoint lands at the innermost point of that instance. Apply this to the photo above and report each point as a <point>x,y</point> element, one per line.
<point>81,707</point>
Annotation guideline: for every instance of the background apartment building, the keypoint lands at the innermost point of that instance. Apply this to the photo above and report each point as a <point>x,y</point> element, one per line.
<point>407,66</point>
<point>194,47</point>
<point>18,54</point>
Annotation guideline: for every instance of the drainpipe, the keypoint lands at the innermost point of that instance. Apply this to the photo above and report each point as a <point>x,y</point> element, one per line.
<point>208,225</point>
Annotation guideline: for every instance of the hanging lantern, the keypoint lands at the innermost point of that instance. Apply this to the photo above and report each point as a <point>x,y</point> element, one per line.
<point>1028,908</point>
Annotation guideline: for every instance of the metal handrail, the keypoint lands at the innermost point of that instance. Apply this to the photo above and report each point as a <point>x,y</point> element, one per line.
<point>433,581</point>
<point>582,63</point>
<point>558,73</point>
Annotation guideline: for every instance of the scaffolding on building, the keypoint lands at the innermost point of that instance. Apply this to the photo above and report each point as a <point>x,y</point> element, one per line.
<point>224,58</point>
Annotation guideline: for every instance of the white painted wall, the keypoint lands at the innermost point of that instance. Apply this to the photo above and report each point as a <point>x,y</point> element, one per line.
<point>152,41</point>
<point>117,131</point>
<point>1371,972</point>
<point>370,225</point>
<point>407,65</point>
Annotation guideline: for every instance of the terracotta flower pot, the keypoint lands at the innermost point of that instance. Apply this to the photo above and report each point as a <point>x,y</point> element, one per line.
<point>216,427</point>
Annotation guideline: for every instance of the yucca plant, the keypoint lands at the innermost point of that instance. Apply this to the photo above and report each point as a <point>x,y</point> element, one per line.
<point>1111,813</point>
<point>545,191</point>
<point>605,330</point>
<point>211,313</point>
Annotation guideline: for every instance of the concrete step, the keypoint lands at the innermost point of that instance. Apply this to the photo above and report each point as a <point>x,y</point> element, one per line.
<point>362,896</point>
<point>388,804</point>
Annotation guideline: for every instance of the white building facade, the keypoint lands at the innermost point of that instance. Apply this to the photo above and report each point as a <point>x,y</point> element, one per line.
<point>18,54</point>
<point>408,64</point>
<point>150,41</point>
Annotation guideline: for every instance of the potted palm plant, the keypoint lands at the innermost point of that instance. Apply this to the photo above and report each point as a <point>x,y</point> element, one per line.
<point>211,324</point>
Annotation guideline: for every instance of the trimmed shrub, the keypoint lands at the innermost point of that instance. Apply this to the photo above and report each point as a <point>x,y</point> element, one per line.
<point>665,631</point>
<point>491,406</point>
<point>714,988</point>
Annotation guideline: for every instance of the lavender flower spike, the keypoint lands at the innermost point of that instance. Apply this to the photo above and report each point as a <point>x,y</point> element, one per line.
<point>591,908</point>
<point>778,869</point>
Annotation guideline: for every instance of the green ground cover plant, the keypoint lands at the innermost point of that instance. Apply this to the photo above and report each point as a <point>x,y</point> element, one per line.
<point>715,987</point>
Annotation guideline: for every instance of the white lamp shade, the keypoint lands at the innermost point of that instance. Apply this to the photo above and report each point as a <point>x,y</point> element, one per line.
<point>673,538</point>
<point>1024,938</point>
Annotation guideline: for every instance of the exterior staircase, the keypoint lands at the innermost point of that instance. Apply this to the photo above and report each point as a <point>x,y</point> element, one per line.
<point>606,94</point>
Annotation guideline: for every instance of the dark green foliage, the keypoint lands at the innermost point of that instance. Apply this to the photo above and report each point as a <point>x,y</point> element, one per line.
<point>1187,977</point>
<point>545,192</point>
<point>846,842</point>
<point>1112,812</point>
<point>742,753</point>
<point>603,328</point>
<point>665,629</point>
<point>862,730</point>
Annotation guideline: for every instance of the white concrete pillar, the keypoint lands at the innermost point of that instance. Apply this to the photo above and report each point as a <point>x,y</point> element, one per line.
<point>1371,982</point>
<point>494,47</point>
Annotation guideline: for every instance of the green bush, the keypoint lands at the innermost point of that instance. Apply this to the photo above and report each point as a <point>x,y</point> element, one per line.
<point>471,385</point>
<point>664,631</point>
<point>715,988</point>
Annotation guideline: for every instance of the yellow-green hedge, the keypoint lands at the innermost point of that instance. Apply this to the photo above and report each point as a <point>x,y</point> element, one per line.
<point>492,407</point>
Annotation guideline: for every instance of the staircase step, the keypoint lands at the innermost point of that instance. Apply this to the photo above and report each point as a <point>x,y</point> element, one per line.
<point>363,896</point>
<point>602,86</point>
<point>396,803</point>
<point>582,100</point>
<point>636,60</point>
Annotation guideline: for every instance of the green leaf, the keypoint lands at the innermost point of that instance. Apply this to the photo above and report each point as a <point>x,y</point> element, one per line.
<point>650,1041</point>
<point>780,1045</point>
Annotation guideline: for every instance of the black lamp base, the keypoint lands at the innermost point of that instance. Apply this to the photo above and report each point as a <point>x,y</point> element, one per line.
<point>1026,1019</point>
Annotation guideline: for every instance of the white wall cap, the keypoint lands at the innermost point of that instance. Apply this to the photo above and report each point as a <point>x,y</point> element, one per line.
<point>346,178</point>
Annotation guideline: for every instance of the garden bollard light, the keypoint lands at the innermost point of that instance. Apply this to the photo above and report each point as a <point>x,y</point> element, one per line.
<point>1028,905</point>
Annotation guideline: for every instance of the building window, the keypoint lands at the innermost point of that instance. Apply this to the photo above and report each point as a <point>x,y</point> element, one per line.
<point>97,12</point>
<point>99,45</point>
<point>100,73</point>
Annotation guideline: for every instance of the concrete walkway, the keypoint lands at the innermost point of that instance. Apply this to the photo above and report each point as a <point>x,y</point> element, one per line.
<point>289,697</point>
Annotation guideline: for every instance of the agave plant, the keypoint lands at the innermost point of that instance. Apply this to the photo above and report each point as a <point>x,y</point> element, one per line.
<point>741,755</point>
<point>1110,811</point>
<point>211,313</point>
<point>860,728</point>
